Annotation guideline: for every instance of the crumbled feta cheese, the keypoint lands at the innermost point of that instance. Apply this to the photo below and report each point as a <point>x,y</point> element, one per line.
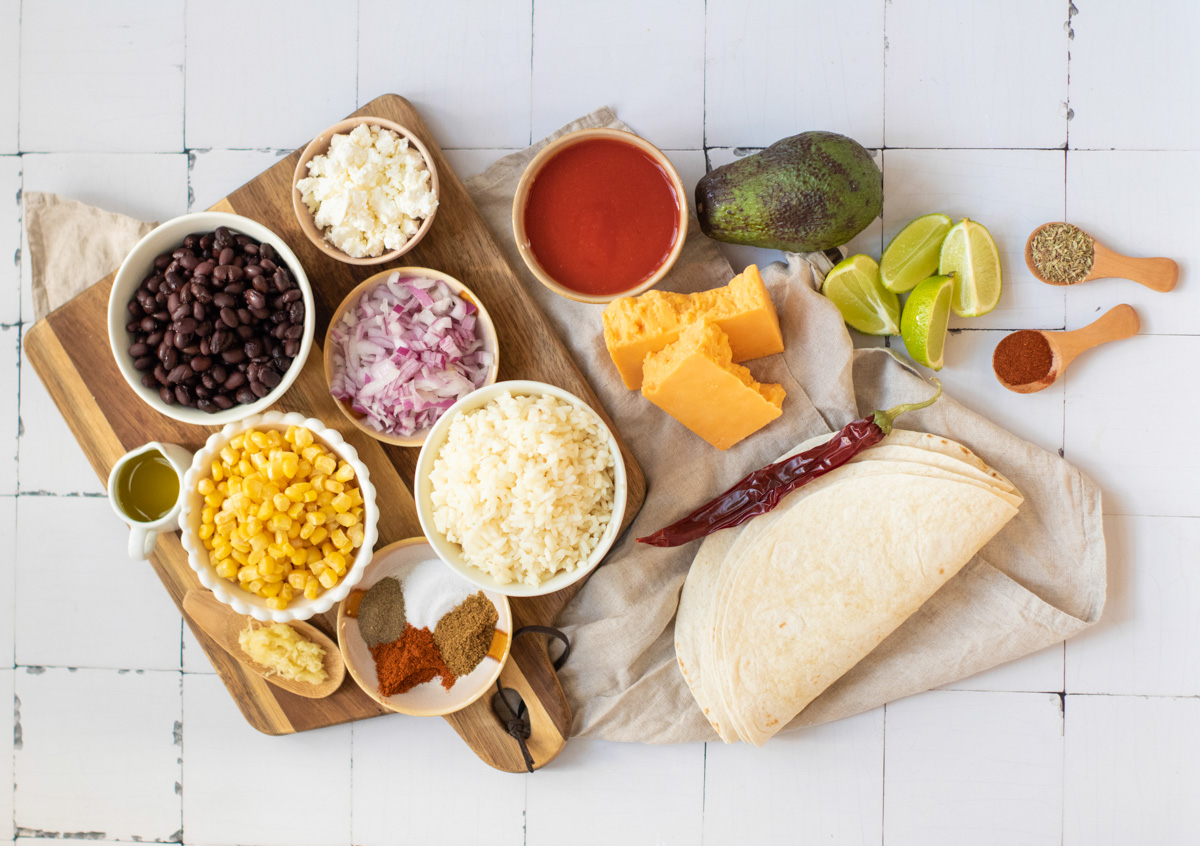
<point>369,192</point>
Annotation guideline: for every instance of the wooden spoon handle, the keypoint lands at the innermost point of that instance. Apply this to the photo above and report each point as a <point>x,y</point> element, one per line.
<point>1157,274</point>
<point>1117,323</point>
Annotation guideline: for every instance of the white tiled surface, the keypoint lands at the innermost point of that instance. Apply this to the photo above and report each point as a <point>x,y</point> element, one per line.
<point>154,108</point>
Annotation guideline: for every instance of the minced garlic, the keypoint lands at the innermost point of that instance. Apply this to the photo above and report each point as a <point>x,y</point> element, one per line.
<point>281,649</point>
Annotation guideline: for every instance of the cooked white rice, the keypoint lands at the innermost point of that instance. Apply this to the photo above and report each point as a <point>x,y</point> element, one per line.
<point>525,486</point>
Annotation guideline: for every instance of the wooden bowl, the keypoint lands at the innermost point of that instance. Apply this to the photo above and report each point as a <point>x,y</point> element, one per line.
<point>319,146</point>
<point>483,324</point>
<point>521,198</point>
<point>429,699</point>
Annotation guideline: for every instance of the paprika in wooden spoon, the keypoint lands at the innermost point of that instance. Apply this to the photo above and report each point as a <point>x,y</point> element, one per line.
<point>1031,360</point>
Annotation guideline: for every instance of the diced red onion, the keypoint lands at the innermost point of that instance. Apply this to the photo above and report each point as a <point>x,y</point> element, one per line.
<point>406,352</point>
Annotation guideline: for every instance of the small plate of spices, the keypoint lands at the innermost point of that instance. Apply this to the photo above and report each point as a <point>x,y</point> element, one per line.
<point>418,638</point>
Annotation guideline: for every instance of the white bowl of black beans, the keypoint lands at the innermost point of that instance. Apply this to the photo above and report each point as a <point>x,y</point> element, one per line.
<point>211,318</point>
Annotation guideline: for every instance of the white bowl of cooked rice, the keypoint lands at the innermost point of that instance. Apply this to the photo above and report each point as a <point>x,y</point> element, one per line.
<point>521,488</point>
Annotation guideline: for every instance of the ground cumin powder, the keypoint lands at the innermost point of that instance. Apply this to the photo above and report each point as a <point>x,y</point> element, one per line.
<point>1023,357</point>
<point>464,635</point>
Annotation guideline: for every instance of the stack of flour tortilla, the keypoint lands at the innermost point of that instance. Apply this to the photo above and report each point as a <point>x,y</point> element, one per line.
<point>775,611</point>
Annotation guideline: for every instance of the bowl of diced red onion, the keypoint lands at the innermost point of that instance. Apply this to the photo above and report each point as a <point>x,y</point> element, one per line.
<point>403,347</point>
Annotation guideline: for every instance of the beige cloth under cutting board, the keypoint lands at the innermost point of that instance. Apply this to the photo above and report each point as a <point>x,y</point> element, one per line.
<point>1042,579</point>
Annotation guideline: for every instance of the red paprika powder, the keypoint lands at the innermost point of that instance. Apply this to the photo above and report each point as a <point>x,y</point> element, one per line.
<point>412,660</point>
<point>1023,357</point>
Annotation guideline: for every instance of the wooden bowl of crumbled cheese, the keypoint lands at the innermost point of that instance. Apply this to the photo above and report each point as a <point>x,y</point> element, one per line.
<point>365,190</point>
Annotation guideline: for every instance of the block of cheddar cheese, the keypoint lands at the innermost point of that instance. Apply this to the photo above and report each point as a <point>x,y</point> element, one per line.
<point>634,327</point>
<point>695,380</point>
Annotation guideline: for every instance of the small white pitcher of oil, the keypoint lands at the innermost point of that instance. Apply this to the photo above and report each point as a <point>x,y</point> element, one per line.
<point>144,488</point>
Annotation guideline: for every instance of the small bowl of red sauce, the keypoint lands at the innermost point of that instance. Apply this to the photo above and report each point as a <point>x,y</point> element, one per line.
<point>600,214</point>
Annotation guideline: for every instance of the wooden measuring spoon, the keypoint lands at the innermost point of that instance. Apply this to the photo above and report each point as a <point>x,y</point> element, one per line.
<point>223,624</point>
<point>1157,274</point>
<point>1117,323</point>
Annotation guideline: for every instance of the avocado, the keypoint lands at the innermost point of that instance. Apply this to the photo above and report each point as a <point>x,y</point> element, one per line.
<point>810,192</point>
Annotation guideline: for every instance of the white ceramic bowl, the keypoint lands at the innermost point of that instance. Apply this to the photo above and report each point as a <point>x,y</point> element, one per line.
<point>137,266</point>
<point>193,503</point>
<point>451,553</point>
<point>429,699</point>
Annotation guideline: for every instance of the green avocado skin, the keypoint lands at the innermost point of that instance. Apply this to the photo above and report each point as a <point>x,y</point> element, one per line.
<point>809,192</point>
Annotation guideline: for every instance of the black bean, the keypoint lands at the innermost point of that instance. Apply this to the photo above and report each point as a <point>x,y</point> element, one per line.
<point>145,362</point>
<point>182,340</point>
<point>294,332</point>
<point>161,262</point>
<point>229,317</point>
<point>134,327</point>
<point>191,241</point>
<point>219,340</point>
<point>189,261</point>
<point>202,392</point>
<point>233,356</point>
<point>296,311</point>
<point>198,311</point>
<point>244,316</point>
<point>201,363</point>
<point>191,349</point>
<point>266,260</point>
<point>166,395</point>
<point>154,339</point>
<point>235,380</point>
<point>244,332</point>
<point>281,280</point>
<point>148,324</point>
<point>223,300</point>
<point>154,284</point>
<point>292,295</point>
<point>245,396</point>
<point>255,300</point>
<point>208,381</point>
<point>223,402</point>
<point>174,280</point>
<point>235,288</point>
<point>201,292</point>
<point>180,374</point>
<point>220,272</point>
<point>160,374</point>
<point>184,394</point>
<point>269,377</point>
<point>205,268</point>
<point>253,271</point>
<point>134,308</point>
<point>148,381</point>
<point>253,348</point>
<point>226,256</point>
<point>234,272</point>
<point>171,359</point>
<point>260,314</point>
<point>290,347</point>
<point>185,294</point>
<point>139,349</point>
<point>173,302</point>
<point>279,330</point>
<point>260,390</point>
<point>180,311</point>
<point>207,406</point>
<point>187,325</point>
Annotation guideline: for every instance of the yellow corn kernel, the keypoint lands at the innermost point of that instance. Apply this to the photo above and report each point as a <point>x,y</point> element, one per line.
<point>272,579</point>
<point>345,520</point>
<point>304,437</point>
<point>228,455</point>
<point>247,573</point>
<point>225,518</point>
<point>253,486</point>
<point>227,569</point>
<point>265,510</point>
<point>344,472</point>
<point>324,498</point>
<point>311,556</point>
<point>286,592</point>
<point>240,556</point>
<point>310,453</point>
<point>214,500</point>
<point>304,469</point>
<point>206,531</point>
<point>259,439</point>
<point>297,579</point>
<point>245,467</point>
<point>242,546</point>
<point>275,550</point>
<point>295,510</point>
<point>324,465</point>
<point>337,561</point>
<point>218,472</point>
<point>257,556</point>
<point>355,533</point>
<point>281,502</point>
<point>295,492</point>
<point>255,586</point>
<point>341,502</point>
<point>328,579</point>
<point>312,589</point>
<point>272,589</point>
<point>259,541</point>
<point>259,460</point>
<point>339,538</point>
<point>307,530</point>
<point>291,463</point>
<point>238,441</point>
<point>319,534</point>
<point>206,486</point>
<point>315,518</point>
<point>277,603</point>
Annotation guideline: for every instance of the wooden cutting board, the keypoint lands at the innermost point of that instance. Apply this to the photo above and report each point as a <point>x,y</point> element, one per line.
<point>69,350</point>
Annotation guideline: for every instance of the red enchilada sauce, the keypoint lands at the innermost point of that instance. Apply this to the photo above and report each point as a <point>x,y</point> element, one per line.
<point>602,216</point>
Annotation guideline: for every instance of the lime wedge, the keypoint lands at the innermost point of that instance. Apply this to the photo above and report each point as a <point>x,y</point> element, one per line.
<point>969,255</point>
<point>855,288</point>
<point>913,254</point>
<point>926,315</point>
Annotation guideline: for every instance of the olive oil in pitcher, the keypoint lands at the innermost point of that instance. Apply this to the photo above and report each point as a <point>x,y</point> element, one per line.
<point>147,487</point>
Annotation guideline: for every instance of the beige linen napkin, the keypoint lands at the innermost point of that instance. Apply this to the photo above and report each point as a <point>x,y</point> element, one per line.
<point>1041,580</point>
<point>72,245</point>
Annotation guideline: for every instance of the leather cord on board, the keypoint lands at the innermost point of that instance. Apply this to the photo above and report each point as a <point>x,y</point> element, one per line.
<point>508,705</point>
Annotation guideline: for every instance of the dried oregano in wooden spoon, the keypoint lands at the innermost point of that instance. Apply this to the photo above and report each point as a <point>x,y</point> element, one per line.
<point>1063,253</point>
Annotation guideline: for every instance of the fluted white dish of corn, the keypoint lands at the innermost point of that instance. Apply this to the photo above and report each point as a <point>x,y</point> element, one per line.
<point>279,516</point>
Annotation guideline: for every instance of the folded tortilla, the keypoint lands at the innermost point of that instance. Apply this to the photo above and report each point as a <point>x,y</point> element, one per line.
<point>775,611</point>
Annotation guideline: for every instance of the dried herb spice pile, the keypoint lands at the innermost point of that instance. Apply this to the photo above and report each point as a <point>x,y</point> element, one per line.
<point>1063,253</point>
<point>422,625</point>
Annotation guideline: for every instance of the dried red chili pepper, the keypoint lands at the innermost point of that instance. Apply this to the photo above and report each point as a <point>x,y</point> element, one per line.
<point>762,490</point>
